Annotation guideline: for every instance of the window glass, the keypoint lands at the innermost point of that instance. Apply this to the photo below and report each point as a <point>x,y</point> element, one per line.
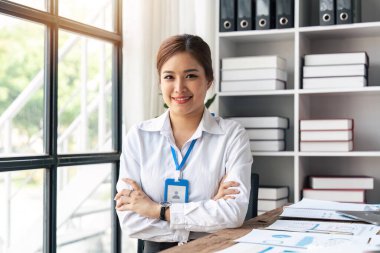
<point>21,87</point>
<point>84,209</point>
<point>97,13</point>
<point>21,210</point>
<point>37,4</point>
<point>84,94</point>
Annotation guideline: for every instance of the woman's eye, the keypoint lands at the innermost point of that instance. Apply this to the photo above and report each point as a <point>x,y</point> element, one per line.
<point>168,77</point>
<point>191,76</point>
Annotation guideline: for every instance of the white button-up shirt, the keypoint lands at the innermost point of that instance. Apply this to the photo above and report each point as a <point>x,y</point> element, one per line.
<point>222,147</point>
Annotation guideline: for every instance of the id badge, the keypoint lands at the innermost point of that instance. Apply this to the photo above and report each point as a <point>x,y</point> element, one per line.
<point>176,191</point>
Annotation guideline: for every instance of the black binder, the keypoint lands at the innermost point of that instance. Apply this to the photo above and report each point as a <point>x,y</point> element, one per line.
<point>245,15</point>
<point>265,14</point>
<point>284,13</point>
<point>344,11</point>
<point>326,12</point>
<point>227,22</point>
<point>357,11</point>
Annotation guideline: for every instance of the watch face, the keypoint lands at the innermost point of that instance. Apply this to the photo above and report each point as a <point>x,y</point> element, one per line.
<point>165,204</point>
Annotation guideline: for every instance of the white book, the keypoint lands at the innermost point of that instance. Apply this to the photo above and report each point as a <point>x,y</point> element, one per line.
<point>262,122</point>
<point>345,135</point>
<point>273,192</point>
<point>326,124</point>
<point>339,182</point>
<point>336,59</point>
<point>326,146</point>
<point>334,82</point>
<point>252,85</point>
<point>253,74</point>
<point>252,62</point>
<point>334,70</point>
<point>353,196</point>
<point>267,205</point>
<point>266,134</point>
<point>258,146</point>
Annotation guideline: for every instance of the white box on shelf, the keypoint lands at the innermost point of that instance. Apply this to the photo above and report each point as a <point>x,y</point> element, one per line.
<point>262,122</point>
<point>326,146</point>
<point>334,70</point>
<point>273,192</point>
<point>254,74</point>
<point>338,135</point>
<point>326,124</point>
<point>267,205</point>
<point>258,146</point>
<point>346,195</point>
<point>254,62</point>
<point>342,182</point>
<point>252,85</point>
<point>266,134</point>
<point>336,59</point>
<point>334,82</point>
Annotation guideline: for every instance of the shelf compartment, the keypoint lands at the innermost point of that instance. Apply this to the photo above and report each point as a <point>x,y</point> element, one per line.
<point>257,93</point>
<point>309,12</point>
<point>275,171</point>
<point>342,166</point>
<point>261,106</point>
<point>362,107</point>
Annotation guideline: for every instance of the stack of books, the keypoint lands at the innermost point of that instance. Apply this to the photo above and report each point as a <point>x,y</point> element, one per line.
<point>253,73</point>
<point>265,133</point>
<point>271,197</point>
<point>326,135</point>
<point>342,70</point>
<point>339,188</point>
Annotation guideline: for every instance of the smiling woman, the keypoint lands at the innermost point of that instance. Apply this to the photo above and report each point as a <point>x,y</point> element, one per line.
<point>186,172</point>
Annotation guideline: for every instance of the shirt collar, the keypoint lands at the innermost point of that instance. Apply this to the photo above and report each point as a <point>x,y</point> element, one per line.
<point>208,124</point>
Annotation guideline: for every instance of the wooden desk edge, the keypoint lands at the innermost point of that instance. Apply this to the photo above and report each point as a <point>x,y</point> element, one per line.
<point>225,238</point>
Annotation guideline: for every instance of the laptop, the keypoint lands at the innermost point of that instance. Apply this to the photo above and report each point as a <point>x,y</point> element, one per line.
<point>372,217</point>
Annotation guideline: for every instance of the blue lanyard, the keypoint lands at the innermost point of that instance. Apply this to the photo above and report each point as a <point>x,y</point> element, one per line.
<point>180,166</point>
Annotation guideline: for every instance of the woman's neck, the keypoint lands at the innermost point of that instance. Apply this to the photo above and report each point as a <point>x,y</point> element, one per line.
<point>184,127</point>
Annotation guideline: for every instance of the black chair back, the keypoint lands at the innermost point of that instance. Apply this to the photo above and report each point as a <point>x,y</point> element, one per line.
<point>252,207</point>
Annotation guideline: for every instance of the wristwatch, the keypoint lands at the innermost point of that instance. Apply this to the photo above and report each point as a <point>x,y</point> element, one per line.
<point>164,206</point>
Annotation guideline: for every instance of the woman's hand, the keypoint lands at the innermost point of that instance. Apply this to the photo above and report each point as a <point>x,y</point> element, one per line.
<point>225,191</point>
<point>137,201</point>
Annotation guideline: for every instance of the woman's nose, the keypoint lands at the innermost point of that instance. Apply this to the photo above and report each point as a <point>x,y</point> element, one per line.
<point>179,85</point>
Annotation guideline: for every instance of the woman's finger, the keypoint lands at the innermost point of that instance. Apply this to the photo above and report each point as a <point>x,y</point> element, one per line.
<point>228,197</point>
<point>230,191</point>
<point>132,183</point>
<point>121,193</point>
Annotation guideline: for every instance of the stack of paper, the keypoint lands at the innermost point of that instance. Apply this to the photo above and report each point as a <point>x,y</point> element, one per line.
<point>342,70</point>
<point>265,133</point>
<point>253,73</point>
<point>312,236</point>
<point>326,135</point>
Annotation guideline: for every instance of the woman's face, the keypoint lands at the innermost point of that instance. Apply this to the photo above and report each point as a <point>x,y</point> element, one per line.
<point>184,85</point>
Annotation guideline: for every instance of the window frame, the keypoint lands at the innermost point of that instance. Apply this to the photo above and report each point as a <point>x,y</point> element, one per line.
<point>52,160</point>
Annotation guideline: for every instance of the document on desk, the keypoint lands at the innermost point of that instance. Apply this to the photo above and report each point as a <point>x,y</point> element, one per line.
<point>297,240</point>
<point>326,210</point>
<point>256,248</point>
<point>324,227</point>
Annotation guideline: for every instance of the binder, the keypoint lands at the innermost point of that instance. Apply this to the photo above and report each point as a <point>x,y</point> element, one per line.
<point>357,11</point>
<point>227,16</point>
<point>344,11</point>
<point>284,13</point>
<point>326,12</point>
<point>245,15</point>
<point>265,14</point>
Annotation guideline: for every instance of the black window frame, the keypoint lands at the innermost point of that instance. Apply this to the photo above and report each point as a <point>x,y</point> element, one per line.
<point>52,160</point>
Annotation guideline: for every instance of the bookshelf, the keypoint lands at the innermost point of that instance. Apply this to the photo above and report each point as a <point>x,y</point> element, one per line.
<point>292,167</point>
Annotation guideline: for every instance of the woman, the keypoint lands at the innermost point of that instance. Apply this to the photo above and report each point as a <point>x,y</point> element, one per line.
<point>186,171</point>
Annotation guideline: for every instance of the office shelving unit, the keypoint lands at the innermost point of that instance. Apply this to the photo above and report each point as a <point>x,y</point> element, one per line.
<point>292,167</point>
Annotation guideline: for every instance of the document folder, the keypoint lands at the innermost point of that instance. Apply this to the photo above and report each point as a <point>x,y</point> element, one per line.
<point>326,12</point>
<point>245,15</point>
<point>227,22</point>
<point>344,11</point>
<point>284,13</point>
<point>264,14</point>
<point>372,217</point>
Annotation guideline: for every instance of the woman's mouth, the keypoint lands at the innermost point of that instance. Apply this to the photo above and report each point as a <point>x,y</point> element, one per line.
<point>181,100</point>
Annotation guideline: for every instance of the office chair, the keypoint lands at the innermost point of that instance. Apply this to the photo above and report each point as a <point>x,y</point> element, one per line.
<point>252,208</point>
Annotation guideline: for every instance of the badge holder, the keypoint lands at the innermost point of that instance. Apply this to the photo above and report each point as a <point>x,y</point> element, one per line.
<point>176,191</point>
